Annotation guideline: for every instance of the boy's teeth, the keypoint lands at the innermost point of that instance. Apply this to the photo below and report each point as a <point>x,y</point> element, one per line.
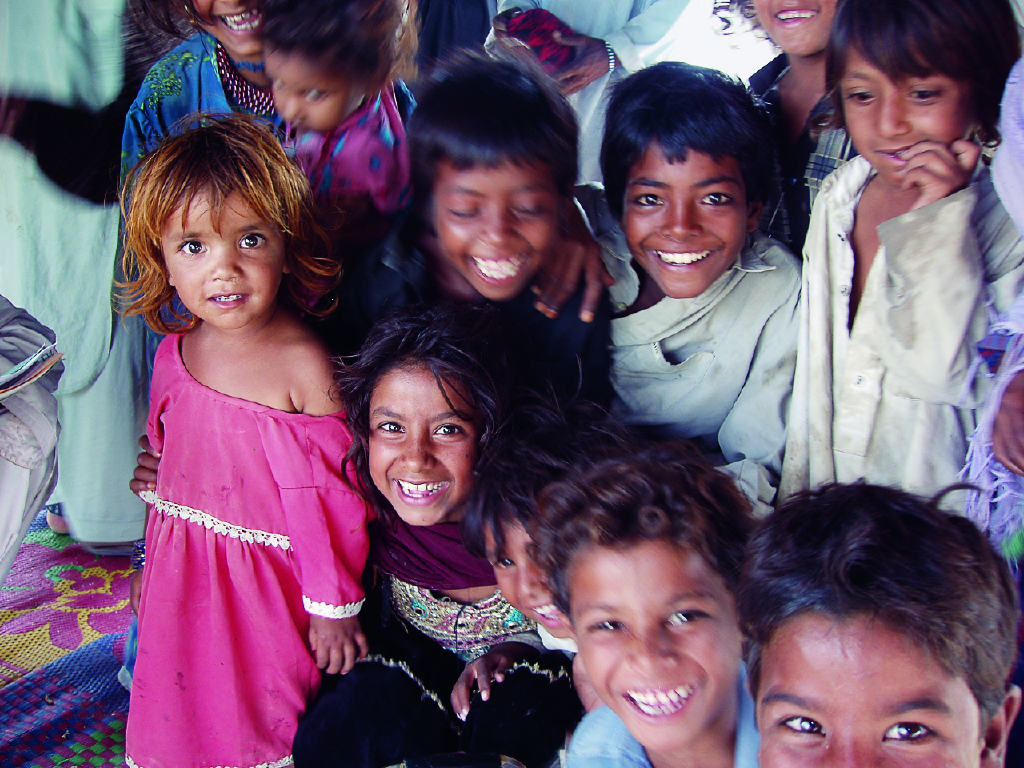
<point>681,258</point>
<point>661,702</point>
<point>791,15</point>
<point>499,269</point>
<point>242,22</point>
<point>420,489</point>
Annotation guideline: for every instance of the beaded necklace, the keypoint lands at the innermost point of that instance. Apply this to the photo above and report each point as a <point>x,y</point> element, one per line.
<point>259,101</point>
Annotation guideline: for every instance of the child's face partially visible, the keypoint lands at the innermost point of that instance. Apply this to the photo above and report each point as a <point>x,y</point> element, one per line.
<point>421,452</point>
<point>685,223</point>
<point>659,637</point>
<point>235,24</point>
<point>226,270</point>
<point>798,27</point>
<point>309,96</point>
<point>855,693</point>
<point>521,582</point>
<point>884,118</point>
<point>495,227</point>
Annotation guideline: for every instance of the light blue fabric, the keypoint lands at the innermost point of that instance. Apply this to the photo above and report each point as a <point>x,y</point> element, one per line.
<point>602,740</point>
<point>59,262</point>
<point>716,368</point>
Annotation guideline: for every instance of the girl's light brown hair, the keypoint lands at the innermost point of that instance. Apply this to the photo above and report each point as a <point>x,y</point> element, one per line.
<point>224,155</point>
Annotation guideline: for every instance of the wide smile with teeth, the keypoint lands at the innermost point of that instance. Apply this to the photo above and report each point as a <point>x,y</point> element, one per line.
<point>677,259</point>
<point>795,15</point>
<point>230,297</point>
<point>420,490</point>
<point>660,702</point>
<point>499,269</point>
<point>242,22</point>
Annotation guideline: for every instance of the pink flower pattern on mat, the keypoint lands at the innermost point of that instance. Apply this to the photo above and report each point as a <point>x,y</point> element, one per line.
<point>60,593</point>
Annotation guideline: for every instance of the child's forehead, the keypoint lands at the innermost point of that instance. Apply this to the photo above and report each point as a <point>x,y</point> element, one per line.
<point>895,66</point>
<point>415,383</point>
<point>208,203</point>
<point>503,171</point>
<point>854,647</point>
<point>684,158</point>
<point>673,568</point>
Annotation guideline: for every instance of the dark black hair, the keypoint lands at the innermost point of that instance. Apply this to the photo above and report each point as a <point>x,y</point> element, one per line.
<point>371,39</point>
<point>455,342</point>
<point>681,107</point>
<point>665,491</point>
<point>863,550</point>
<point>973,41</point>
<point>537,444</point>
<point>478,111</point>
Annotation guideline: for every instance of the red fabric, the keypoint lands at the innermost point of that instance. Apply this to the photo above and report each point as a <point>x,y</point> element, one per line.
<point>536,28</point>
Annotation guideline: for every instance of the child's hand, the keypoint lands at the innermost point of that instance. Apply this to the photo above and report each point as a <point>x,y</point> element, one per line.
<point>144,476</point>
<point>578,256</point>
<point>938,170</point>
<point>1008,429</point>
<point>135,591</point>
<point>482,671</point>
<point>336,643</point>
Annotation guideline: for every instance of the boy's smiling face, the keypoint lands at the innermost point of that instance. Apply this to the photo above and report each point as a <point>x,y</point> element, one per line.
<point>235,24</point>
<point>659,637</point>
<point>854,692</point>
<point>685,223</point>
<point>885,118</point>
<point>496,226</point>
<point>798,27</point>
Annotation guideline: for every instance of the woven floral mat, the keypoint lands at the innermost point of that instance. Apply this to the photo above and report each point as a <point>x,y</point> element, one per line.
<point>58,598</point>
<point>70,712</point>
<point>63,614</point>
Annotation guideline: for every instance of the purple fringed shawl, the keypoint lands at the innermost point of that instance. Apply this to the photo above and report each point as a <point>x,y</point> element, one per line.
<point>998,507</point>
<point>430,556</point>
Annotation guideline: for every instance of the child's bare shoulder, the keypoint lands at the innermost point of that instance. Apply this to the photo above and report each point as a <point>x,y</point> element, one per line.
<point>309,370</point>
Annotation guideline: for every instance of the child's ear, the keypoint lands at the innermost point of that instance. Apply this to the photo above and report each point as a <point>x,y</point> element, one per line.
<point>993,751</point>
<point>753,215</point>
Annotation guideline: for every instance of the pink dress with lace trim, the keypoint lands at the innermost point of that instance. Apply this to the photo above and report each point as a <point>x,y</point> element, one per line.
<point>253,528</point>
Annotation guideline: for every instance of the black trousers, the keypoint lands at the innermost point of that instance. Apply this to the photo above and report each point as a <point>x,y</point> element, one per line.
<point>395,706</point>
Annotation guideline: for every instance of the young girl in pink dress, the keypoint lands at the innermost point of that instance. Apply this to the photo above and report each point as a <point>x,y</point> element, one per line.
<point>255,543</point>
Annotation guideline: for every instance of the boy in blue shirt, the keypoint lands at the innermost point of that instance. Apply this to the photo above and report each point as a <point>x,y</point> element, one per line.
<point>642,551</point>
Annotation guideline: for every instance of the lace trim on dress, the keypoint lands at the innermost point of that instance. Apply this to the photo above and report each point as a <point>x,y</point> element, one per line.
<point>280,763</point>
<point>208,521</point>
<point>329,611</point>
